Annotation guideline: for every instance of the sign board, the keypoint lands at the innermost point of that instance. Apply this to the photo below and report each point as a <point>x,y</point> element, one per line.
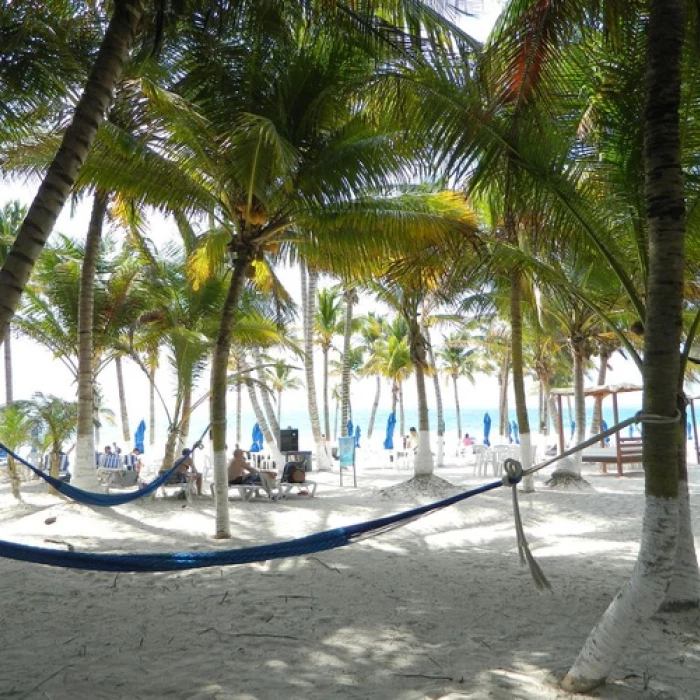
<point>346,456</point>
<point>346,452</point>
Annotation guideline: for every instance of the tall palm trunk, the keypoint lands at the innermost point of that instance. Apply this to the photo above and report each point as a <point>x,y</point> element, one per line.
<point>665,207</point>
<point>239,411</point>
<point>438,403</point>
<point>516,324</point>
<point>375,406</point>
<point>309,283</point>
<point>326,407</point>
<point>458,411</point>
<point>84,474</point>
<point>152,407</point>
<point>265,398</point>
<point>597,417</point>
<point>350,300</point>
<point>9,398</point>
<point>402,415</point>
<point>124,413</point>
<point>184,430</point>
<point>423,463</point>
<point>262,418</point>
<point>503,378</point>
<point>63,171</point>
<point>217,396</point>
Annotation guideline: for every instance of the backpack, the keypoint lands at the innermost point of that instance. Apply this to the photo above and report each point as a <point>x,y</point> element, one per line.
<point>293,473</point>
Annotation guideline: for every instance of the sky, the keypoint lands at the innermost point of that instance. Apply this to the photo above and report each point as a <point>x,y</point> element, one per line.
<point>36,370</point>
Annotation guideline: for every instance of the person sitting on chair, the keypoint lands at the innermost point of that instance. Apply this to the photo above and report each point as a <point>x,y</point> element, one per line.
<point>466,440</point>
<point>180,475</point>
<point>239,471</point>
<point>412,439</point>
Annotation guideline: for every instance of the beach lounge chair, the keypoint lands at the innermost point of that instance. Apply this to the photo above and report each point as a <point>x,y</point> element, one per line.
<point>291,481</point>
<point>116,471</point>
<point>268,485</point>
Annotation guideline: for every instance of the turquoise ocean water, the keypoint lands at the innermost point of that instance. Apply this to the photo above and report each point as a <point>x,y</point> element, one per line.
<point>472,423</point>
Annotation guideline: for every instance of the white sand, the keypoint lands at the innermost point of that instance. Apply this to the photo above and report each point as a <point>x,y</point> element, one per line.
<point>440,608</point>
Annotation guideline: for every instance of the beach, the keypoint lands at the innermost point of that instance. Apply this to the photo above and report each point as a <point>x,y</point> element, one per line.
<point>439,608</point>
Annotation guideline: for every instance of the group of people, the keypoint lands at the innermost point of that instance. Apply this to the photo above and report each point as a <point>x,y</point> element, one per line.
<point>239,471</point>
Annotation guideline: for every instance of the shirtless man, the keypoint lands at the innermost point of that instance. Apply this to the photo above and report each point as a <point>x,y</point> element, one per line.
<point>238,468</point>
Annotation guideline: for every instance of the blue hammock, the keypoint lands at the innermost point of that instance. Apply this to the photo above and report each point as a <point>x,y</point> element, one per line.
<point>180,561</point>
<point>92,498</point>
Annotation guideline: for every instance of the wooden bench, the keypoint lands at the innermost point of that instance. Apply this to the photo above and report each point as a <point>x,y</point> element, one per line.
<point>627,450</point>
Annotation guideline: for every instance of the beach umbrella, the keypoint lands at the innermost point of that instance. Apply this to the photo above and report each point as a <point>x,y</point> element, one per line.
<point>389,438</point>
<point>573,430</point>
<point>516,433</point>
<point>350,432</point>
<point>604,425</point>
<point>510,432</point>
<point>257,439</point>
<point>487,429</point>
<point>138,437</point>
<point>357,435</point>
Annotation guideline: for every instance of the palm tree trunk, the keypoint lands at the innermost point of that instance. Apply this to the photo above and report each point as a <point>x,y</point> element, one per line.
<point>402,417</point>
<point>457,408</point>
<point>309,280</point>
<point>126,434</point>
<point>326,407</point>
<point>63,171</point>
<point>503,394</point>
<point>375,407</point>
<point>424,457</point>
<point>350,298</point>
<point>597,417</point>
<point>239,412</point>
<point>265,398</point>
<point>84,474</point>
<point>184,431</point>
<point>516,342</point>
<point>438,404</point>
<point>14,477</point>
<point>217,397</point>
<point>423,463</point>
<point>9,398</point>
<point>152,408</point>
<point>665,206</point>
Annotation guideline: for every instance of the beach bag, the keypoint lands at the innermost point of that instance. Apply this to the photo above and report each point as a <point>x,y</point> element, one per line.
<point>293,473</point>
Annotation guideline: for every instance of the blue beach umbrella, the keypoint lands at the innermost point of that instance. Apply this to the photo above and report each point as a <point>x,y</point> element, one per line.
<point>350,427</point>
<point>358,432</point>
<point>138,437</point>
<point>573,430</point>
<point>516,433</point>
<point>510,432</point>
<point>389,438</point>
<point>487,429</point>
<point>257,439</point>
<point>604,425</point>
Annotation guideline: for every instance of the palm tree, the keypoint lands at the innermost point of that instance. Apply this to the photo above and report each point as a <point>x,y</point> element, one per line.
<point>15,431</point>
<point>662,369</point>
<point>326,327</point>
<point>458,361</point>
<point>280,379</point>
<point>62,173</point>
<point>371,329</point>
<point>54,418</point>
